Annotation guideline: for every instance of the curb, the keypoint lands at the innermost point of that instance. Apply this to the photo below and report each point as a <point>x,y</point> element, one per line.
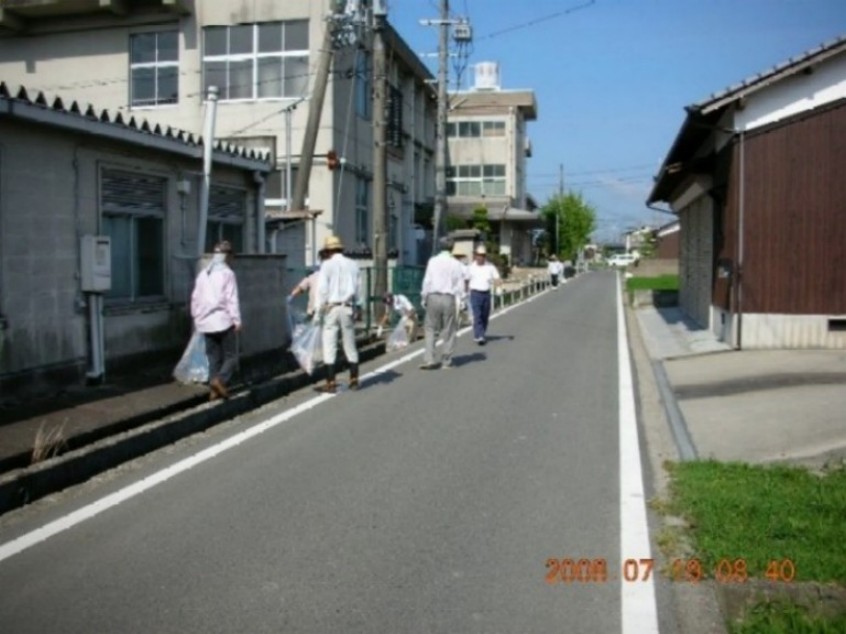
<point>23,486</point>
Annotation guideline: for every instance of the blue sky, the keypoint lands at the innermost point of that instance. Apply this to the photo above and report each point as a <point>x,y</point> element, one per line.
<point>612,78</point>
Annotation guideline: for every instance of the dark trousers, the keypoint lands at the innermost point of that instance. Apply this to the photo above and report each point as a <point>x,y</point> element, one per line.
<point>480,302</point>
<point>222,353</point>
<point>554,280</point>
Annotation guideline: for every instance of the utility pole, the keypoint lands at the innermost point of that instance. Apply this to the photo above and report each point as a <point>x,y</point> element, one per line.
<point>380,156</point>
<point>315,110</point>
<point>441,144</point>
<point>560,208</point>
<point>208,144</point>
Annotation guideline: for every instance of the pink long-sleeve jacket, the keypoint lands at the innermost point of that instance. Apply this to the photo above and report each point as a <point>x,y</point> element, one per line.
<point>214,302</point>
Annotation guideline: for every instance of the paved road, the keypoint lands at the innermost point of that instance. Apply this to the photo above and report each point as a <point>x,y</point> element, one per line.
<point>426,502</point>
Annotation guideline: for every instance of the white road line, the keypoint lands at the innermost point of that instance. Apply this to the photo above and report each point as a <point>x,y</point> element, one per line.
<point>18,545</point>
<point>639,610</point>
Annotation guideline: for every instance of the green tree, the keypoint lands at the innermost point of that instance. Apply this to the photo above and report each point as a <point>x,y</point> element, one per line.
<point>576,221</point>
<point>454,221</point>
<point>480,220</point>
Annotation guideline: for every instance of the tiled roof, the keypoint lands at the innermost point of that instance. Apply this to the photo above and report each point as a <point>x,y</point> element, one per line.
<point>104,120</point>
<point>772,75</point>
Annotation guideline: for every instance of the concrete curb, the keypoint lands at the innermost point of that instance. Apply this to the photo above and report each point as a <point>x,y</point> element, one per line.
<point>22,486</point>
<point>681,434</point>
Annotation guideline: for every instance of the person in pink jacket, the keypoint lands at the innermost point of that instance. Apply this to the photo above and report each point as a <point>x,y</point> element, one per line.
<point>217,314</point>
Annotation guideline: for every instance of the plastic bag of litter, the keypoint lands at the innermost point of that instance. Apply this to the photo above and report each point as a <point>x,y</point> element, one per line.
<point>399,337</point>
<point>306,346</point>
<point>193,367</point>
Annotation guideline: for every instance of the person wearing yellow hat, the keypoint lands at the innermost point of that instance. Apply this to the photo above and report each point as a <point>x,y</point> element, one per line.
<point>337,299</point>
<point>482,276</point>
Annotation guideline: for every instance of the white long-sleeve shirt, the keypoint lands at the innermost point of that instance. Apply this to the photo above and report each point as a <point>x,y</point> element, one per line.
<point>555,267</point>
<point>338,281</point>
<point>444,274</point>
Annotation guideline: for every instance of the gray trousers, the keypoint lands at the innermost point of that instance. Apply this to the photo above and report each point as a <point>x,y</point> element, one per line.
<point>339,317</point>
<point>440,319</point>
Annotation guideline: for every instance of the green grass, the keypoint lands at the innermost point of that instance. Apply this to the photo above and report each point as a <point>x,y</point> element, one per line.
<point>659,283</point>
<point>763,514</point>
<point>786,618</point>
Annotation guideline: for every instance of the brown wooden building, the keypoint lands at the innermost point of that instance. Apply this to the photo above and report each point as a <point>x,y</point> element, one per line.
<point>756,176</point>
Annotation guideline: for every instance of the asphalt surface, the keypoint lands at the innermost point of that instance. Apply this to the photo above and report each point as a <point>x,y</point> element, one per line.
<point>425,502</point>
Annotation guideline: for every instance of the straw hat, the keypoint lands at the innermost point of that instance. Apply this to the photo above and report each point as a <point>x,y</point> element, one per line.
<point>333,243</point>
<point>481,250</point>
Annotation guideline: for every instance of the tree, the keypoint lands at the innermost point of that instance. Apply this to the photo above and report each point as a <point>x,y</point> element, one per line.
<point>480,220</point>
<point>454,221</point>
<point>576,221</point>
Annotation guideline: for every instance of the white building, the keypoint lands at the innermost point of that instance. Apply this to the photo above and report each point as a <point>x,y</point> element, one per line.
<point>488,146</point>
<point>154,59</point>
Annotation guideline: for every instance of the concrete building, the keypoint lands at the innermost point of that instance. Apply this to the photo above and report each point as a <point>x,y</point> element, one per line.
<point>99,218</point>
<point>488,146</point>
<point>156,58</point>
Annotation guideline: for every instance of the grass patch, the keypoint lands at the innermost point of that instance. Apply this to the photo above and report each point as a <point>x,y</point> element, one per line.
<point>763,514</point>
<point>786,618</point>
<point>659,283</point>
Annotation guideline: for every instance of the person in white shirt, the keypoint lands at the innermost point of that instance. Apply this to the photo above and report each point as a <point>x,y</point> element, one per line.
<point>309,285</point>
<point>555,269</point>
<point>401,305</point>
<point>482,278</point>
<point>337,288</point>
<point>443,285</point>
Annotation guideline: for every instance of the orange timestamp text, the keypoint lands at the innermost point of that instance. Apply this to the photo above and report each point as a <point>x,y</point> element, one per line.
<point>571,570</point>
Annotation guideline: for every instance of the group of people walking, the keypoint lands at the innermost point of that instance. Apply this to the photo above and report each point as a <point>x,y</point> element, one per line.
<point>449,285</point>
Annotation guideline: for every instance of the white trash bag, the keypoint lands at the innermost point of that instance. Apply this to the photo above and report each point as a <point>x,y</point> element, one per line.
<point>306,346</point>
<point>193,367</point>
<point>399,337</point>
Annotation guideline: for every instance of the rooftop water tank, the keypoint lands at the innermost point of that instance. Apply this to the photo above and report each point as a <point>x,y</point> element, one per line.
<point>487,76</point>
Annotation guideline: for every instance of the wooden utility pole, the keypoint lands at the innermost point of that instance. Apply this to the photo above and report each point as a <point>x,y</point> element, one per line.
<point>441,144</point>
<point>314,113</point>
<point>380,158</point>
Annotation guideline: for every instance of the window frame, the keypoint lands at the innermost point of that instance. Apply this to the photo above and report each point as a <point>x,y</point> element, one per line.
<point>254,57</point>
<point>473,180</point>
<point>108,212</point>
<point>155,66</point>
<point>362,211</point>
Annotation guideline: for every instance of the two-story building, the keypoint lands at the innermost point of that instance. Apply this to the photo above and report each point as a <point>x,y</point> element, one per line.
<point>488,147</point>
<point>155,59</point>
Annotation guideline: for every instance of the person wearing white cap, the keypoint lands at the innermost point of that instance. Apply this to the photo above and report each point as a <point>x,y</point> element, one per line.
<point>442,288</point>
<point>337,290</point>
<point>482,278</point>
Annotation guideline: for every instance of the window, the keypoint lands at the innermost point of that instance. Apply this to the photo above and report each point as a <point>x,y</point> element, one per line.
<point>227,211</point>
<point>362,216</point>
<point>133,208</point>
<point>394,131</point>
<point>257,61</point>
<point>493,128</point>
<point>473,129</point>
<point>363,85</point>
<point>469,129</point>
<point>476,180</point>
<point>154,68</point>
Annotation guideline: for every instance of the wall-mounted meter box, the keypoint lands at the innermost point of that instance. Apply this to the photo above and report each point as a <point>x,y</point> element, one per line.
<point>96,264</point>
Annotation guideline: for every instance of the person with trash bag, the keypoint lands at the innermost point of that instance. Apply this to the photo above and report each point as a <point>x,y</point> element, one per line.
<point>216,312</point>
<point>309,285</point>
<point>443,285</point>
<point>337,291</point>
<point>483,277</point>
<point>402,306</point>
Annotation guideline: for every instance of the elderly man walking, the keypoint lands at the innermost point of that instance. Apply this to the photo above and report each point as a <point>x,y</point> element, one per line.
<point>483,278</point>
<point>217,314</point>
<point>337,297</point>
<point>443,284</point>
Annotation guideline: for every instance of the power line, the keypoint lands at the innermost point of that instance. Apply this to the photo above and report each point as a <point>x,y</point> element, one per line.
<point>537,21</point>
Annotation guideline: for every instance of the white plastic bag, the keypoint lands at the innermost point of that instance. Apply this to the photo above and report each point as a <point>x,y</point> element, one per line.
<point>193,367</point>
<point>306,346</point>
<point>399,337</point>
